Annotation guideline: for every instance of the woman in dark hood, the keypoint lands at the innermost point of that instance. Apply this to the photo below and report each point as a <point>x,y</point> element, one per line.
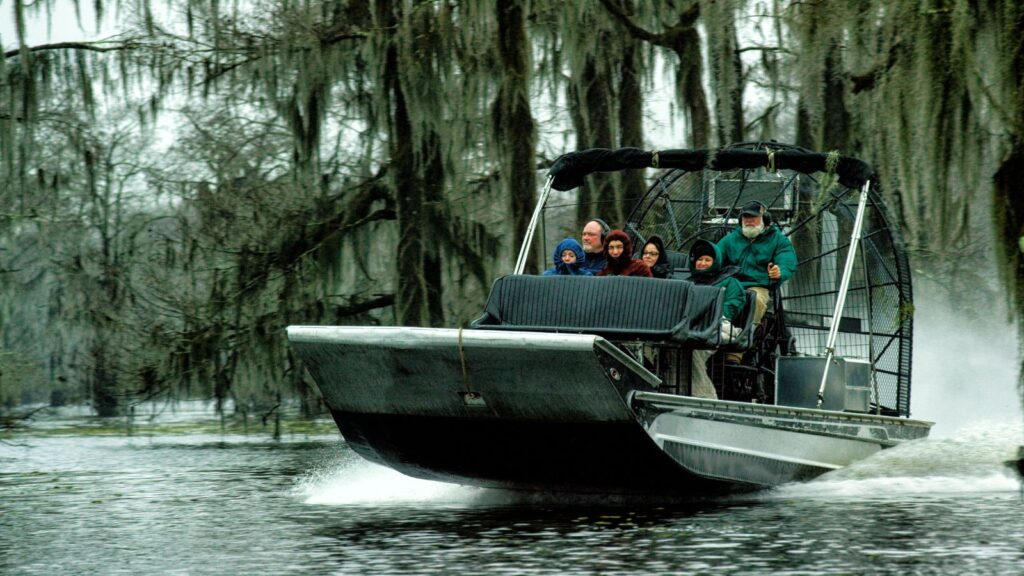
<point>619,252</point>
<point>706,269</point>
<point>569,260</point>
<point>655,257</point>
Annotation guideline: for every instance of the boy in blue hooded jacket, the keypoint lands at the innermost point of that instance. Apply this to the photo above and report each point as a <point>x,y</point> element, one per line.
<point>569,260</point>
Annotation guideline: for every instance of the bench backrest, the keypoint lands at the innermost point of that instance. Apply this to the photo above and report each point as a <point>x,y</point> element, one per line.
<point>678,261</point>
<point>616,307</point>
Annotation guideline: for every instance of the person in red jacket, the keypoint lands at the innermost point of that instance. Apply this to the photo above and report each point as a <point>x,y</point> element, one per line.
<point>619,252</point>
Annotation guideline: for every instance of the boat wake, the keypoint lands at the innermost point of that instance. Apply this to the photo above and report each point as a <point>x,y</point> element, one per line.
<point>972,461</point>
<point>964,454</point>
<point>358,482</point>
<point>362,483</point>
<point>965,373</point>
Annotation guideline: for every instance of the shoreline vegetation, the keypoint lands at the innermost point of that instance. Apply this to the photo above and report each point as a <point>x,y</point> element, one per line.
<point>179,188</point>
<point>79,420</point>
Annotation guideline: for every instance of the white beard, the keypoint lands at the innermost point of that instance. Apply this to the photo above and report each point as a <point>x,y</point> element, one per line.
<point>752,232</point>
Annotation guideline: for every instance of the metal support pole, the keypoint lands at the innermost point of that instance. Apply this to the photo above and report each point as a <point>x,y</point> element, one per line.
<point>844,285</point>
<point>524,251</point>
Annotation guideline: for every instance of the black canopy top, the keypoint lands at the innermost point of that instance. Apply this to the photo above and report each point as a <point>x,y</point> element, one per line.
<point>568,171</point>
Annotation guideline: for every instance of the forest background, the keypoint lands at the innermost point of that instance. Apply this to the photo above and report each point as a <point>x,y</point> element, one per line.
<point>176,191</point>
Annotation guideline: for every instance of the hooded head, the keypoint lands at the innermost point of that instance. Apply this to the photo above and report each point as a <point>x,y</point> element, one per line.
<point>577,266</point>
<point>659,264</point>
<point>704,248</point>
<point>574,246</point>
<point>655,242</point>
<point>617,264</point>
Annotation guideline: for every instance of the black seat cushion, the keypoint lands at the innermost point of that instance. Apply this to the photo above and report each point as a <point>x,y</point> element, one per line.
<point>615,307</point>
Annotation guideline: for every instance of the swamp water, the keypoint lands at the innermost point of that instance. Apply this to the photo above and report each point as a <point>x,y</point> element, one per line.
<point>181,496</point>
<point>180,499</point>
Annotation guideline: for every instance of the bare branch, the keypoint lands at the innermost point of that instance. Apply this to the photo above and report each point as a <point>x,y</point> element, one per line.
<point>98,46</point>
<point>670,38</point>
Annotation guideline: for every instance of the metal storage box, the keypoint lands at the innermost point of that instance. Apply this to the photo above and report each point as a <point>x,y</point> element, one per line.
<point>797,379</point>
<point>858,398</point>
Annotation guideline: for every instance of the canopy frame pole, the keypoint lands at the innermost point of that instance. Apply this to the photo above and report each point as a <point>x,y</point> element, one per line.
<point>844,285</point>
<point>524,250</point>
<point>678,237</point>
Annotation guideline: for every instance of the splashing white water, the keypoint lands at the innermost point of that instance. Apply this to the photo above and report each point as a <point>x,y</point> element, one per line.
<point>965,369</point>
<point>965,380</point>
<point>358,481</point>
<point>972,461</point>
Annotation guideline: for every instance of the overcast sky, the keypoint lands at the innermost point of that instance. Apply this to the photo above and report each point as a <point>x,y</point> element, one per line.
<point>61,26</point>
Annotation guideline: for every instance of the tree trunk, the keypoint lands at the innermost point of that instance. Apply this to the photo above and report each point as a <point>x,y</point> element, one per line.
<point>105,394</point>
<point>690,86</point>
<point>726,70</point>
<point>431,181</point>
<point>631,114</point>
<point>592,86</point>
<point>804,128</point>
<point>1009,200</point>
<point>1008,185</point>
<point>835,132</point>
<point>513,123</point>
<point>584,201</point>
<point>418,179</point>
<point>411,298</point>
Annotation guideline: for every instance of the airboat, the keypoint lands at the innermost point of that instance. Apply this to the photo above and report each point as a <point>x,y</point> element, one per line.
<point>582,384</point>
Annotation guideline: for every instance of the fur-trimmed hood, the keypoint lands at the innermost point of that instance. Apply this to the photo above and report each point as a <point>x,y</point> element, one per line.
<point>624,265</point>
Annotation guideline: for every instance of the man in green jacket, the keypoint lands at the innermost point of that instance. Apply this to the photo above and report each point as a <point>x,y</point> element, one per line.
<point>763,253</point>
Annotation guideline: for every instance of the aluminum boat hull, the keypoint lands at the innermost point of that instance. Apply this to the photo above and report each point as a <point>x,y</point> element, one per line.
<point>563,412</point>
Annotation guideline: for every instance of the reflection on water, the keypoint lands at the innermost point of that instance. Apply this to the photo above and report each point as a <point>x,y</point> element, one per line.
<point>216,504</point>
